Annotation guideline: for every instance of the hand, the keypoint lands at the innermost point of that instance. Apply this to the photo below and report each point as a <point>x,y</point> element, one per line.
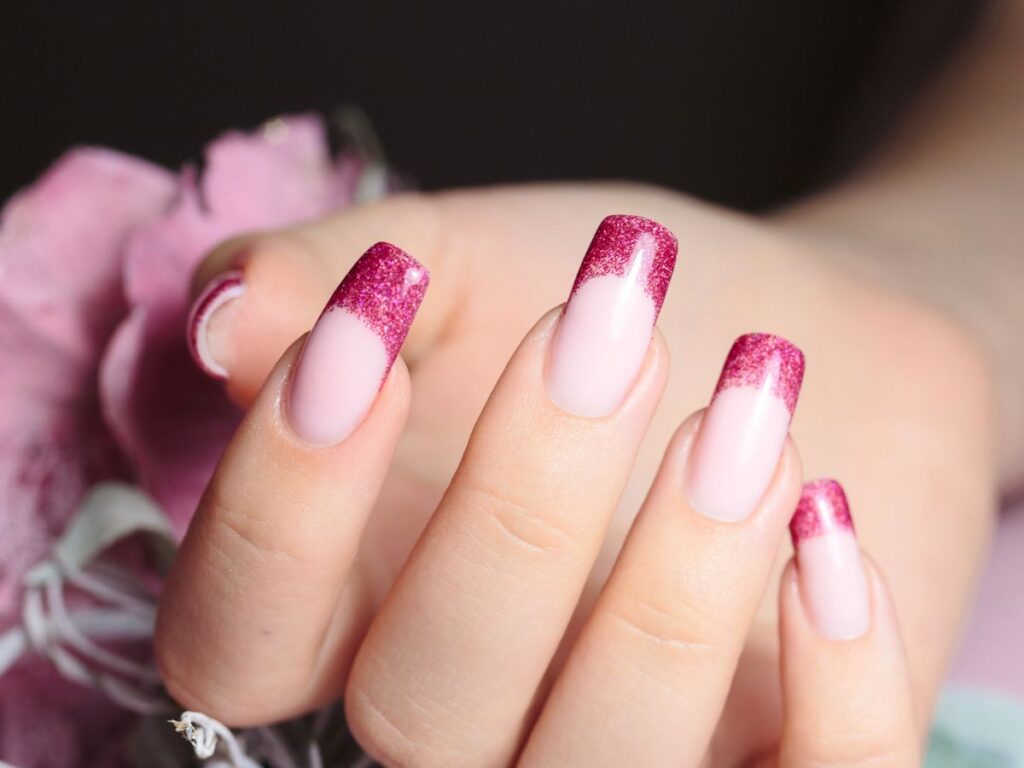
<point>498,257</point>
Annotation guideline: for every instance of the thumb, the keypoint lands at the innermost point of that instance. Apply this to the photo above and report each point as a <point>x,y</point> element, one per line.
<point>254,295</point>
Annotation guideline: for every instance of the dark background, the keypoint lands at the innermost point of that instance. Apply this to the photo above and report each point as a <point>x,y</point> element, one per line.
<point>744,103</point>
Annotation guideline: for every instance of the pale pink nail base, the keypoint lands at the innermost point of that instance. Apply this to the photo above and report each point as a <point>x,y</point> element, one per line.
<point>833,584</point>
<point>354,343</point>
<point>738,448</point>
<point>745,427</point>
<point>221,290</point>
<point>606,327</point>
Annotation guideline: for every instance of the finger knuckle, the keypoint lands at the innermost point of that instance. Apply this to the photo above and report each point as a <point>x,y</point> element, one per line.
<point>392,738</point>
<point>860,744</point>
<point>196,692</point>
<point>249,529</point>
<point>240,534</point>
<point>272,247</point>
<point>515,526</point>
<point>677,634</point>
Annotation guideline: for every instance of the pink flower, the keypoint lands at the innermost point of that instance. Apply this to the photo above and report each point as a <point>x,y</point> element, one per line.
<point>96,381</point>
<point>168,417</point>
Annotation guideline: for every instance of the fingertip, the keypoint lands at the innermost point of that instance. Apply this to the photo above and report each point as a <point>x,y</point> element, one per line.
<point>797,625</point>
<point>227,255</point>
<point>255,294</point>
<point>847,700</point>
<point>837,619</point>
<point>209,317</point>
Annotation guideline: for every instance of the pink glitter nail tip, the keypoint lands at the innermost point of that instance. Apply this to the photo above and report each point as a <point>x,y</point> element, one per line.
<point>620,242</point>
<point>762,360</point>
<point>215,295</point>
<point>384,289</point>
<point>822,509</point>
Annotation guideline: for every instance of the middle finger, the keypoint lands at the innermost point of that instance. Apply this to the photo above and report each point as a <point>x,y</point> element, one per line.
<point>453,659</point>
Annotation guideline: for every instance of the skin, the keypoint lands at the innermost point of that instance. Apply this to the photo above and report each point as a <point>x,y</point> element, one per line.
<point>908,399</point>
<point>497,574</point>
<point>924,518</point>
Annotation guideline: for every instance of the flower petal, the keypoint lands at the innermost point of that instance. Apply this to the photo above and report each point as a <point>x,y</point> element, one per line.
<point>171,420</point>
<point>60,297</point>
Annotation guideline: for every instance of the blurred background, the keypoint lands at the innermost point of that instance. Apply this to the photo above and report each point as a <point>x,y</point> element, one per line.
<point>745,104</point>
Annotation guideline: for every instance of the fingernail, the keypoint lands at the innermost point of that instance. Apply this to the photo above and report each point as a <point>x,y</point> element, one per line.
<point>830,571</point>
<point>204,336</point>
<point>745,427</point>
<point>606,326</point>
<point>354,343</point>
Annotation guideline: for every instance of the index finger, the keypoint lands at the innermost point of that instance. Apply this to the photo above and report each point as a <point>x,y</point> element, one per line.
<point>257,618</point>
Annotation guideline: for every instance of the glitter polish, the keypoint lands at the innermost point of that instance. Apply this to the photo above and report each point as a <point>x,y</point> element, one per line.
<point>606,326</point>
<point>744,429</point>
<point>830,571</point>
<point>354,343</point>
<point>218,293</point>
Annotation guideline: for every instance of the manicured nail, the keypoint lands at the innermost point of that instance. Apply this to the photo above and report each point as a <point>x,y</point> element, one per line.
<point>606,326</point>
<point>354,343</point>
<point>830,570</point>
<point>745,427</point>
<point>202,341</point>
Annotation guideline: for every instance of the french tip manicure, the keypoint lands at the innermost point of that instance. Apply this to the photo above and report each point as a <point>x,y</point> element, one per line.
<point>822,508</point>
<point>606,326</point>
<point>745,427</point>
<point>830,569</point>
<point>354,344</point>
<point>219,292</point>
<point>764,361</point>
<point>384,288</point>
<point>625,243</point>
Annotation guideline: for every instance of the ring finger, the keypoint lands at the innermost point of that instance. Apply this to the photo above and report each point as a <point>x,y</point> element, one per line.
<point>650,672</point>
